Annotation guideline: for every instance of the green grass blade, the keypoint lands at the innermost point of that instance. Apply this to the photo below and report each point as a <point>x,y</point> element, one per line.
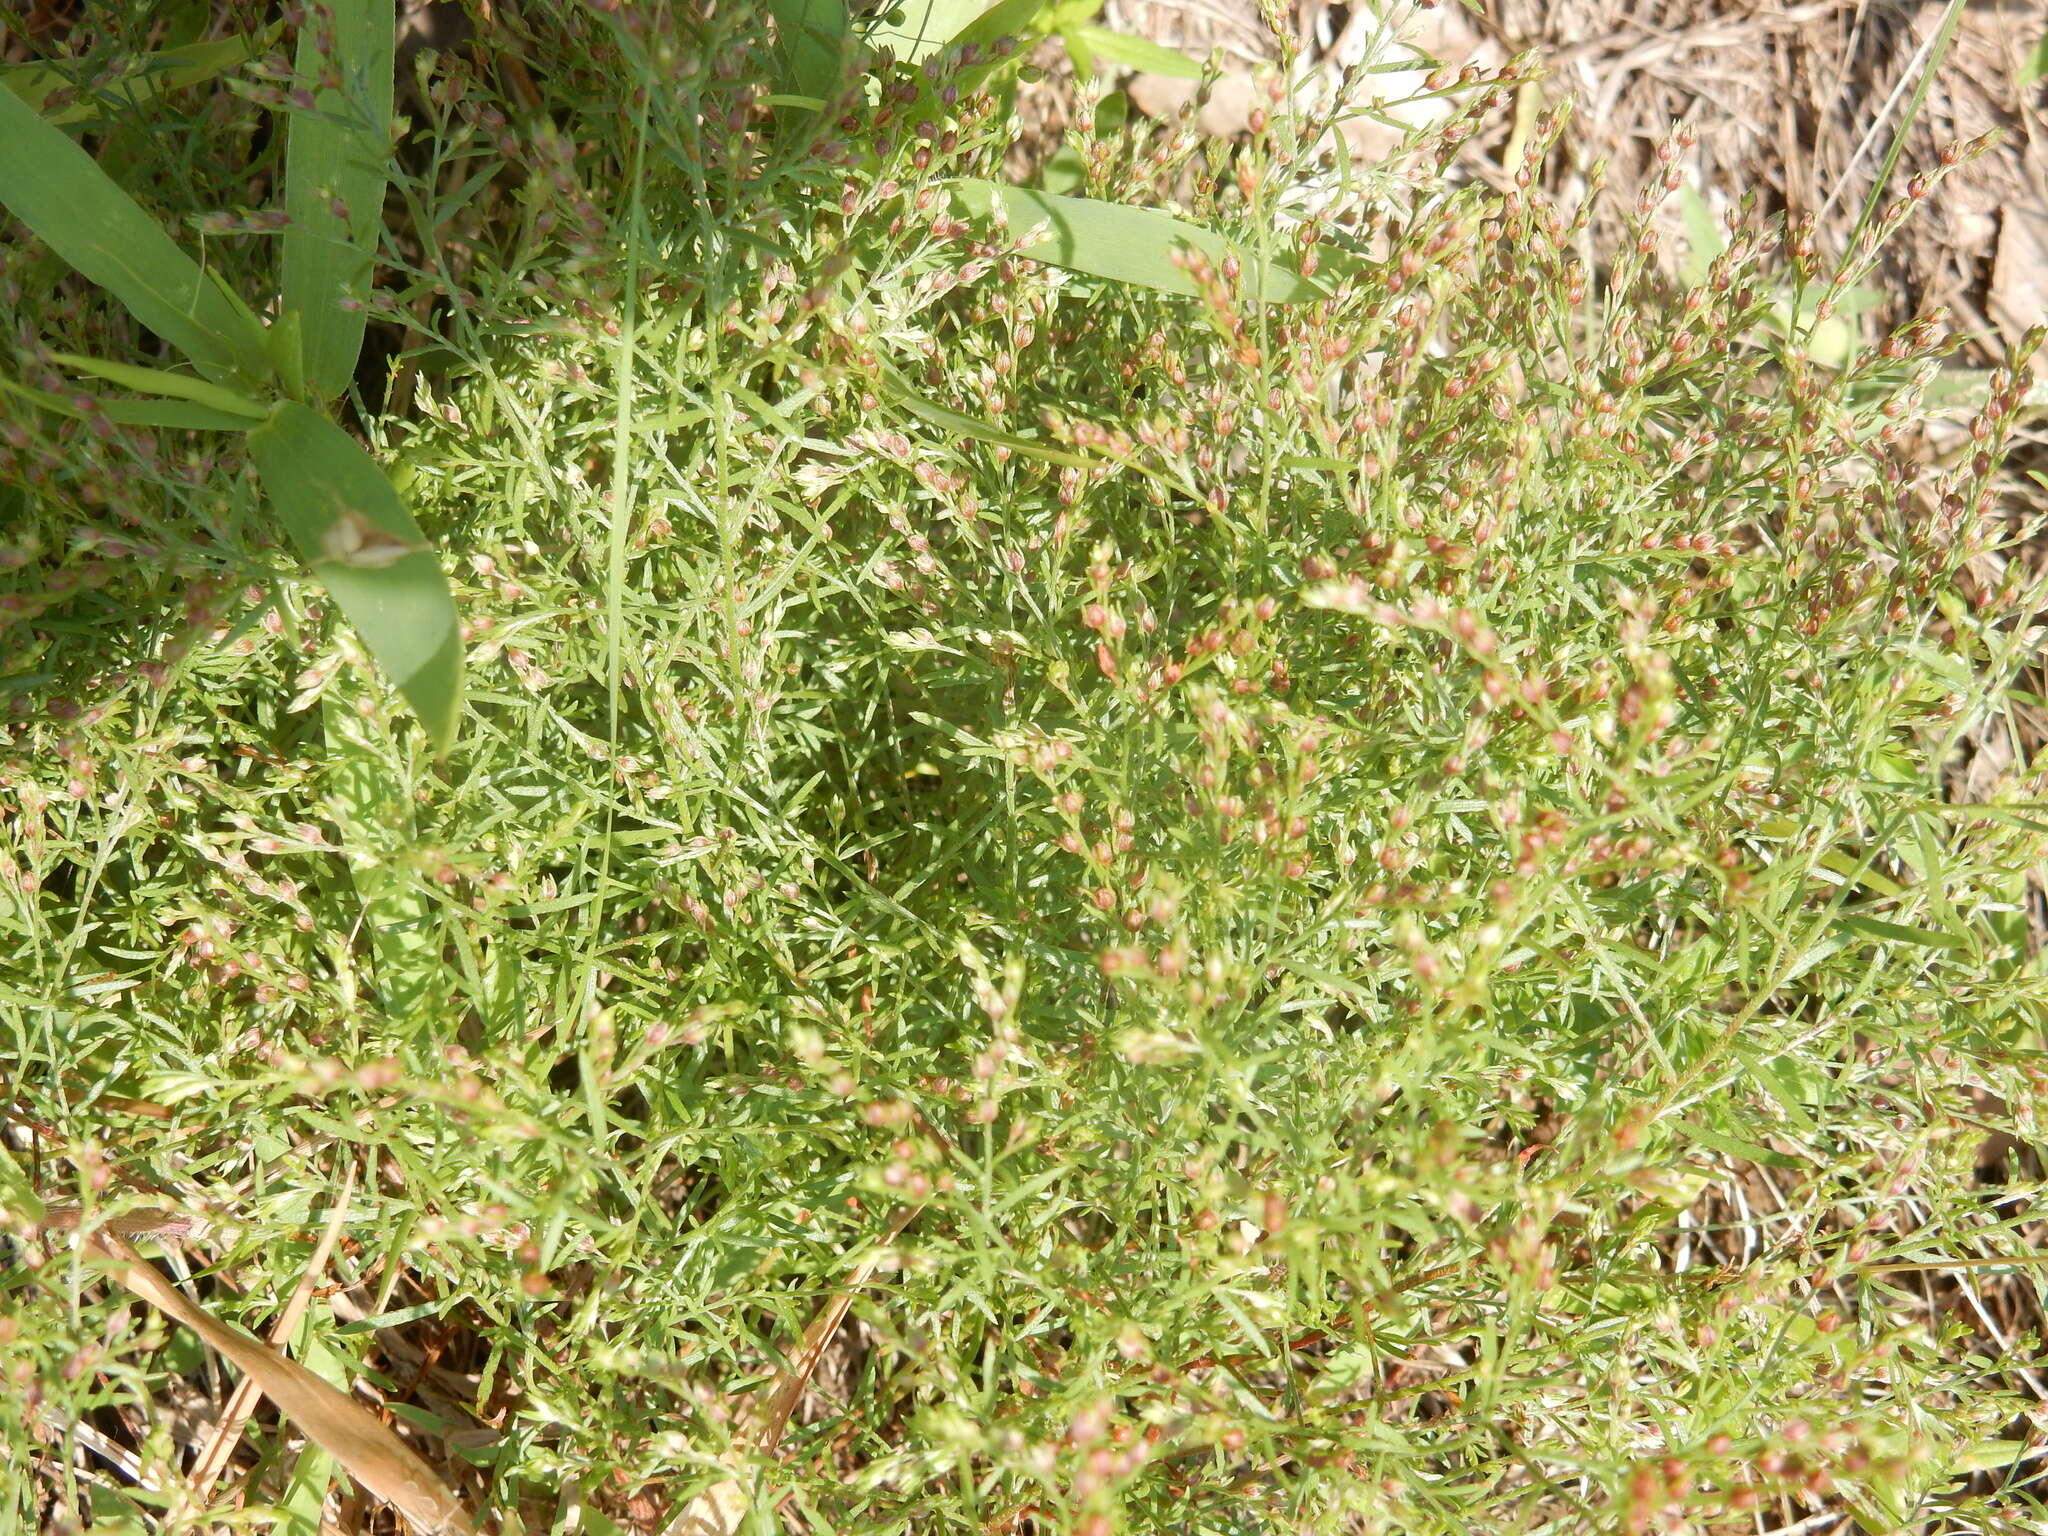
<point>1006,18</point>
<point>2034,68</point>
<point>1126,245</point>
<point>178,386</point>
<point>335,171</point>
<point>75,208</point>
<point>350,525</point>
<point>930,25</point>
<point>1938,51</point>
<point>1137,53</point>
<point>953,422</point>
<point>1900,933</point>
<point>131,412</point>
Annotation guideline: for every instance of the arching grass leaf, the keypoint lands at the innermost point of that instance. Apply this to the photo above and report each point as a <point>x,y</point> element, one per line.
<point>351,527</point>
<point>177,386</point>
<point>74,207</point>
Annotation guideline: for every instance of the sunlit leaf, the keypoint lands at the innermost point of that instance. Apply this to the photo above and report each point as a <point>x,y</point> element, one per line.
<point>2033,68</point>
<point>1900,933</point>
<point>928,25</point>
<point>347,521</point>
<point>1136,53</point>
<point>1125,244</point>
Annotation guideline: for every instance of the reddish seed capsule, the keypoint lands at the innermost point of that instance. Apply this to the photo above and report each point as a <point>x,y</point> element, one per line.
<point>1274,1213</point>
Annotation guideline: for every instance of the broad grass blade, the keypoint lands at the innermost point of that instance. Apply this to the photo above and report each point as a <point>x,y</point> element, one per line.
<point>1127,245</point>
<point>351,527</point>
<point>336,160</point>
<point>75,208</point>
<point>1006,18</point>
<point>372,1455</point>
<point>926,27</point>
<point>812,41</point>
<point>930,25</point>
<point>980,431</point>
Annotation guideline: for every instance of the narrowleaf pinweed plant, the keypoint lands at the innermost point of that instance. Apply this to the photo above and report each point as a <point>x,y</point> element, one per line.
<point>1372,875</point>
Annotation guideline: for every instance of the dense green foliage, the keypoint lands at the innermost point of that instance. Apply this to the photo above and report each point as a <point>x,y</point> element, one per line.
<point>1378,870</point>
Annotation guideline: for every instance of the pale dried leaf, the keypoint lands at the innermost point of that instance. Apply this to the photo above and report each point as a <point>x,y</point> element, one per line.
<point>372,1455</point>
<point>243,1401</point>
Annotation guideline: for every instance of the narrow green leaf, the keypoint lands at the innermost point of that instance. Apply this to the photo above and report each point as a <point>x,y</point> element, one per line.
<point>1137,53</point>
<point>313,1473</point>
<point>1702,235</point>
<point>1989,1456</point>
<point>1858,870</point>
<point>287,346</point>
<point>2034,67</point>
<point>306,1494</point>
<point>336,161</point>
<point>1780,1080</point>
<point>75,208</point>
<point>157,381</point>
<point>1124,244</point>
<point>977,431</point>
<point>1735,1146</point>
<point>1900,933</point>
<point>351,527</point>
<point>1006,18</point>
<point>169,70</point>
<point>18,1191</point>
<point>940,24</point>
<point>130,412</point>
